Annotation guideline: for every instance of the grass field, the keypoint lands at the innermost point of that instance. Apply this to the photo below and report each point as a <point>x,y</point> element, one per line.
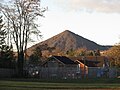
<point>38,84</point>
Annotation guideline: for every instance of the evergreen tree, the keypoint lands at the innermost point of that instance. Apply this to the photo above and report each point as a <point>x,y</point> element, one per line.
<point>2,34</point>
<point>21,16</point>
<point>6,52</point>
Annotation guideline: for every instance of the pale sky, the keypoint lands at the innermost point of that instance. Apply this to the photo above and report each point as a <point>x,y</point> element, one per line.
<point>96,20</point>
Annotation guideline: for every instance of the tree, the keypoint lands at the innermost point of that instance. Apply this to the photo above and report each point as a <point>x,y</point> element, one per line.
<point>70,52</point>
<point>81,51</point>
<point>38,50</point>
<point>21,16</point>
<point>6,52</point>
<point>114,53</point>
<point>2,33</point>
<point>7,59</point>
<point>2,40</point>
<point>89,53</point>
<point>96,53</point>
<point>36,57</point>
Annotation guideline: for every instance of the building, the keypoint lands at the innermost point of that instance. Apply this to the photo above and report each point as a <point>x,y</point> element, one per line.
<point>63,67</point>
<point>60,67</point>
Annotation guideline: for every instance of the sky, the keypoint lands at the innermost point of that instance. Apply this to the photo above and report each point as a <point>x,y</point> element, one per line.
<point>96,20</point>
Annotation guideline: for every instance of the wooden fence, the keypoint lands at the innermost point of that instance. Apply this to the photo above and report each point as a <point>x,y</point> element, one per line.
<point>65,73</point>
<point>96,72</point>
<point>93,72</point>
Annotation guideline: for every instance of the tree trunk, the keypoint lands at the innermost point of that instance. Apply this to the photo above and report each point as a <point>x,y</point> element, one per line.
<point>20,64</point>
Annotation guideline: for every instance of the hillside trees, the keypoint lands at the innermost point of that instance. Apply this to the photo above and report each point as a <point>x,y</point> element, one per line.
<point>37,55</point>
<point>83,52</point>
<point>114,53</point>
<point>20,16</point>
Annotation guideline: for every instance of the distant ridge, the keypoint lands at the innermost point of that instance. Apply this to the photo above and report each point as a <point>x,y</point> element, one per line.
<point>67,40</point>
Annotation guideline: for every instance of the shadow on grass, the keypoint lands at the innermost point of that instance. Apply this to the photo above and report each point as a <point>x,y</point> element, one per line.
<point>68,84</point>
<point>85,80</point>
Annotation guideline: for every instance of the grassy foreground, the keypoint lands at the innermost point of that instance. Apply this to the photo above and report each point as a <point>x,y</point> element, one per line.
<point>38,84</point>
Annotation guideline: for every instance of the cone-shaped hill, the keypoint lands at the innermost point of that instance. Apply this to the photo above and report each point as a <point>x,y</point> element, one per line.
<point>68,40</point>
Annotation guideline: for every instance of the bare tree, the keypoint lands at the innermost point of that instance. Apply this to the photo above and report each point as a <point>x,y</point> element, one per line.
<point>21,16</point>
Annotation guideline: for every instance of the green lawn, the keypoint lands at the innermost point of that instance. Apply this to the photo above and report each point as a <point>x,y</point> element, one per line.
<point>37,84</point>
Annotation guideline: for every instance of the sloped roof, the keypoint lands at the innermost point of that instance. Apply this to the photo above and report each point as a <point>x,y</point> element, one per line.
<point>90,63</point>
<point>64,60</point>
<point>98,60</point>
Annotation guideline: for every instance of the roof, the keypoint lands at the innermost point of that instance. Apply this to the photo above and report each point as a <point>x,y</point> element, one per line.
<point>90,63</point>
<point>64,60</point>
<point>91,59</point>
